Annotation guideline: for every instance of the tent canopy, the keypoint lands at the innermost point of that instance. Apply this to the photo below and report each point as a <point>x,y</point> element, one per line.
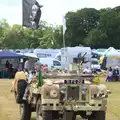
<point>112,52</point>
<point>32,55</point>
<point>8,54</point>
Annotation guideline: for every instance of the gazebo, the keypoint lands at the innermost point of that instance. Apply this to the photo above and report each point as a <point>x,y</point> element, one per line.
<point>9,55</point>
<point>113,57</point>
<point>5,55</point>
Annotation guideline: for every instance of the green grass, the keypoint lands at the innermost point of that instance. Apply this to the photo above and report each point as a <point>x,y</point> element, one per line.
<point>9,110</point>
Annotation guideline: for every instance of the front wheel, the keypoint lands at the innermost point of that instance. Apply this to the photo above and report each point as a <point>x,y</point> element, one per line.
<point>50,115</point>
<point>38,110</point>
<point>69,115</point>
<point>99,115</point>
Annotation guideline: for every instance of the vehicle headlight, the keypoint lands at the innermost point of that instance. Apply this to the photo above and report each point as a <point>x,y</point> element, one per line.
<point>94,91</point>
<point>50,91</point>
<point>53,93</point>
<point>84,90</point>
<point>98,91</point>
<point>102,90</point>
<point>63,89</point>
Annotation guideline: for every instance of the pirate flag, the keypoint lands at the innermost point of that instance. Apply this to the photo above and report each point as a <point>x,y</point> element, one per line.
<point>31,13</point>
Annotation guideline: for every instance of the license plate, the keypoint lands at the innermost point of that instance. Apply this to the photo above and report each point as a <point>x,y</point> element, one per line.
<point>73,81</point>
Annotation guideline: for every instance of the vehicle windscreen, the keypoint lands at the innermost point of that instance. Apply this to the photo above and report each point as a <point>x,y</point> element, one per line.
<point>56,63</point>
<point>95,62</point>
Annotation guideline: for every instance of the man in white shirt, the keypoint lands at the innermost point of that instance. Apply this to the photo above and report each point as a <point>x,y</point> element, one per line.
<point>109,76</point>
<point>30,78</point>
<point>26,64</point>
<point>86,70</point>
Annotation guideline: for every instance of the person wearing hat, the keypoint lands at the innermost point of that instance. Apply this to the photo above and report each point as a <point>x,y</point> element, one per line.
<point>20,75</point>
<point>19,85</point>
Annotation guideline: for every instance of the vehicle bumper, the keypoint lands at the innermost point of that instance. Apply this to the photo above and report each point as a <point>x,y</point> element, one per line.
<point>96,69</point>
<point>74,108</point>
<point>55,105</point>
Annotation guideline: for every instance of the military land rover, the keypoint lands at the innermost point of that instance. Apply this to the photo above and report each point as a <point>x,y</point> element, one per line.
<point>63,97</point>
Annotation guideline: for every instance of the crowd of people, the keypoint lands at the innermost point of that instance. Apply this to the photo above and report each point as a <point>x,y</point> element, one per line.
<point>112,75</point>
<point>9,71</point>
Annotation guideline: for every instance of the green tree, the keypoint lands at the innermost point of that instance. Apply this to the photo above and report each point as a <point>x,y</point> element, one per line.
<point>108,31</point>
<point>88,26</point>
<point>96,38</point>
<point>58,37</point>
<point>15,38</point>
<point>110,24</point>
<point>117,8</point>
<point>4,29</point>
<point>79,24</point>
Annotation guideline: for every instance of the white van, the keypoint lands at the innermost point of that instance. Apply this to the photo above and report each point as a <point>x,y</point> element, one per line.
<point>51,62</point>
<point>95,64</point>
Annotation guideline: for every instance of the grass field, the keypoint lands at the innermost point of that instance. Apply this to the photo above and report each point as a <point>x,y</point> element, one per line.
<point>9,110</point>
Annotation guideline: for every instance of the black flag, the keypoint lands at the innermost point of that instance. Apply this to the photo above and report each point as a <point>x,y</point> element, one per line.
<point>31,13</point>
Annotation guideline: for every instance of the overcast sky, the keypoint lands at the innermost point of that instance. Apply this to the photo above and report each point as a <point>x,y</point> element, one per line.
<point>52,10</point>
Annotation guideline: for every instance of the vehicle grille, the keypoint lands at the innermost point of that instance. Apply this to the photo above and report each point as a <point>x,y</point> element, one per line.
<point>73,93</point>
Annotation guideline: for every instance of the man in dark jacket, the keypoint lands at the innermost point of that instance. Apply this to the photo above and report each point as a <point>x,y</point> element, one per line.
<point>116,74</point>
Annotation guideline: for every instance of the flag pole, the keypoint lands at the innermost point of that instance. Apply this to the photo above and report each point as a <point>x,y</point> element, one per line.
<point>64,45</point>
<point>22,15</point>
<point>64,65</point>
<point>63,40</point>
<point>22,29</point>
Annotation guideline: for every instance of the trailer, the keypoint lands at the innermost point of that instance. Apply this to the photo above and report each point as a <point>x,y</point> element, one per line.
<point>68,55</point>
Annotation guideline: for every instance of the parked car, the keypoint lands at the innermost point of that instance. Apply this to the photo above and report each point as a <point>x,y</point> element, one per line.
<point>95,66</point>
<point>52,63</point>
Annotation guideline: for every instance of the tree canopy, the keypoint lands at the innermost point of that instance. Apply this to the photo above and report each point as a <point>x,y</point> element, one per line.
<point>87,27</point>
<point>94,28</point>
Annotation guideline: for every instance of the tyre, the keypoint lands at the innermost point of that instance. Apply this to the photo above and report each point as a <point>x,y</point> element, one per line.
<point>83,115</point>
<point>50,115</point>
<point>25,111</point>
<point>38,110</point>
<point>99,115</point>
<point>47,115</point>
<point>69,115</point>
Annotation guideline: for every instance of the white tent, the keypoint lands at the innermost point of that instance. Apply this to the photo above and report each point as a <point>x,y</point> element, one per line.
<point>113,57</point>
<point>32,55</point>
<point>112,52</point>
